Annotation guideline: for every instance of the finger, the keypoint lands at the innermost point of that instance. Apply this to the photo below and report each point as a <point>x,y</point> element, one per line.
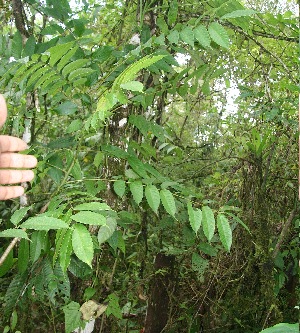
<point>15,176</point>
<point>10,143</point>
<point>10,192</point>
<point>18,161</point>
<point>3,111</point>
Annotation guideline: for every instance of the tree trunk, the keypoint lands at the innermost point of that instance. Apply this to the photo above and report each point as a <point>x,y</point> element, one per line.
<point>159,300</point>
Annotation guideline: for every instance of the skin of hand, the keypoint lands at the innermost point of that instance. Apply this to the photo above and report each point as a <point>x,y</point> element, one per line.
<point>14,167</point>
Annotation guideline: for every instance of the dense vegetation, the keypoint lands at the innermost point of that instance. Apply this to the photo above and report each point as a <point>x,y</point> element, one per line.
<point>166,194</point>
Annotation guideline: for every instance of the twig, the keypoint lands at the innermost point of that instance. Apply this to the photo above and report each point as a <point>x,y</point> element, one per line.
<point>284,232</point>
<point>8,249</point>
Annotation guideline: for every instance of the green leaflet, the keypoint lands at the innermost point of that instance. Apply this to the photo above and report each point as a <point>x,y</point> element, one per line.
<point>131,71</point>
<point>67,108</point>
<point>199,264</point>
<point>64,60</point>
<point>23,255</point>
<point>36,75</point>
<point>137,191</point>
<point>106,231</point>
<point>87,217</point>
<point>63,247</point>
<point>72,316</point>
<point>66,250</point>
<point>18,215</point>
<point>117,241</point>
<point>218,34</point>
<point>43,222</point>
<point>119,187</point>
<point>238,13</point>
<point>133,86</point>
<point>282,327</point>
<point>7,264</point>
<point>208,222</point>
<point>152,197</point>
<point>173,37</point>
<point>113,306</point>
<point>16,49</point>
<point>80,72</point>
<point>172,12</point>
<point>39,240</point>
<point>225,232</point>
<point>14,233</point>
<point>187,36</point>
<point>58,51</point>
<point>92,206</point>
<point>195,217</point>
<point>72,66</point>
<point>202,36</point>
<point>168,201</point>
<point>137,166</point>
<point>82,244</point>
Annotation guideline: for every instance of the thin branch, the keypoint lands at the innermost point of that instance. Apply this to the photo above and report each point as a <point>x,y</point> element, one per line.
<point>284,231</point>
<point>8,249</point>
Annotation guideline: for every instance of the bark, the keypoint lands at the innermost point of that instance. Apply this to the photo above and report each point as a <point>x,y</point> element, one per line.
<point>18,12</point>
<point>159,300</point>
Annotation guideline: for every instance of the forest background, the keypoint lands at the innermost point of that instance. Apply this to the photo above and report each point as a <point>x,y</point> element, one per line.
<point>166,193</point>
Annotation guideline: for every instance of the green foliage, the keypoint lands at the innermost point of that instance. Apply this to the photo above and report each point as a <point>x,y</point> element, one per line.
<point>82,244</point>
<point>283,327</point>
<point>142,150</point>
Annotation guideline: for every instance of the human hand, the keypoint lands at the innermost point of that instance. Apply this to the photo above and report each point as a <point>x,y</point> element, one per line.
<point>13,167</point>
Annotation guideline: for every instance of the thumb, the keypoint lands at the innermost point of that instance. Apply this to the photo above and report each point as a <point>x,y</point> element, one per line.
<point>3,111</point>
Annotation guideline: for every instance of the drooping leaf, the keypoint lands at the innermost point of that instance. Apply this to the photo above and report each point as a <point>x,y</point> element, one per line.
<point>120,187</point>
<point>219,35</point>
<point>36,245</point>
<point>82,244</point>
<point>107,230</point>
<point>44,223</point>
<point>14,233</point>
<point>152,197</point>
<point>7,264</point>
<point>88,217</point>
<point>195,217</point>
<point>224,230</point>
<point>167,199</point>
<point>66,250</point>
<point>23,255</point>
<point>63,248</point>
<point>208,222</point>
<point>239,221</point>
<point>238,13</point>
<point>137,191</point>
<point>202,36</point>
